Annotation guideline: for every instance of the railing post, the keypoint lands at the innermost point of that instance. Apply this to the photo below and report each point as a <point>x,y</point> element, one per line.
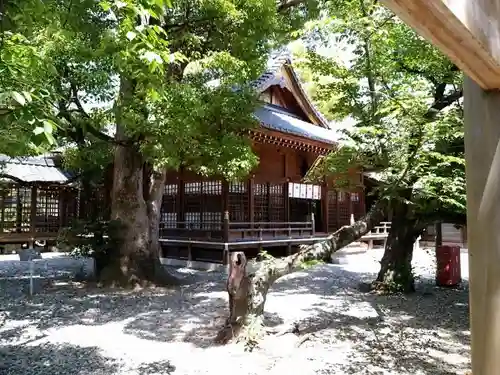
<point>313,223</point>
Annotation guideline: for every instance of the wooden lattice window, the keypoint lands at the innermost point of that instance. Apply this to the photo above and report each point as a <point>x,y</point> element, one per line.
<point>15,209</point>
<point>203,204</point>
<point>261,202</point>
<point>47,211</point>
<point>332,211</point>
<point>358,205</point>
<point>343,207</point>
<point>212,220</point>
<point>25,209</point>
<point>277,203</point>
<point>238,205</point>
<point>9,208</point>
<point>193,220</point>
<point>169,206</point>
<point>211,216</point>
<point>193,204</point>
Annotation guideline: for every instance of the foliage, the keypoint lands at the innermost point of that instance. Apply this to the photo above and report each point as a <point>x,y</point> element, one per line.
<point>94,239</point>
<point>76,72</point>
<point>404,97</point>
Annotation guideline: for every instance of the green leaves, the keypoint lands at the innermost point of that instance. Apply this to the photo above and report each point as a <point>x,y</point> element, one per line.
<point>388,80</point>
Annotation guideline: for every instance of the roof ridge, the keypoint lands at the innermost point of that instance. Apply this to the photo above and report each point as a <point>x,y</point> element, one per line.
<point>278,59</point>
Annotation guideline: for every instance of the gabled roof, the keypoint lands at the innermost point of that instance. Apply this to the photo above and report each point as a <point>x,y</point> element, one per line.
<point>30,169</point>
<point>273,76</point>
<point>276,118</point>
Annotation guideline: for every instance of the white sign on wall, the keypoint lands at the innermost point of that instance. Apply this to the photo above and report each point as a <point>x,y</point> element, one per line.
<point>304,191</point>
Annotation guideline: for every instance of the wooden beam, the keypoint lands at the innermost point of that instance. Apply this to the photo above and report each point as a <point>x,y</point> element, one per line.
<point>467,31</point>
<point>482,145</point>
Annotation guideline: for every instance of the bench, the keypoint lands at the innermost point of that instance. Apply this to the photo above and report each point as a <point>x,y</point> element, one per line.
<point>381,233</point>
<point>378,233</point>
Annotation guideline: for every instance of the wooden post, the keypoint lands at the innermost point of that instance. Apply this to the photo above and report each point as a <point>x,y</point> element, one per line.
<point>225,236</point>
<point>19,209</point>
<point>268,198</point>
<point>286,196</point>
<point>325,203</point>
<point>251,202</point>
<point>225,227</point>
<point>225,197</point>
<point>62,207</point>
<point>313,224</point>
<point>439,234</point>
<point>34,200</point>
<point>482,146</point>
<point>180,200</point>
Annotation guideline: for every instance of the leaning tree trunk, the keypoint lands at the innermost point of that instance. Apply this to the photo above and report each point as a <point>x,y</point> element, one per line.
<point>248,292</point>
<point>396,273</point>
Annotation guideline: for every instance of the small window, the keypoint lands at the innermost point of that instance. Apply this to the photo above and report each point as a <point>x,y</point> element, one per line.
<point>355,197</point>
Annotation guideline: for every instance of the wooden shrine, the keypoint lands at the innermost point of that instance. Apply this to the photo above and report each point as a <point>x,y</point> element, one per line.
<point>275,208</point>
<point>36,200</point>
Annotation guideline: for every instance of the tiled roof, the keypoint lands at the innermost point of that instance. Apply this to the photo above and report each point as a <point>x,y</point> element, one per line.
<point>275,118</point>
<point>33,169</point>
<point>270,77</point>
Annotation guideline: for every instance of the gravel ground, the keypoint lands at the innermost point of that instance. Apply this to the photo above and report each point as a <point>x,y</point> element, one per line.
<point>69,330</point>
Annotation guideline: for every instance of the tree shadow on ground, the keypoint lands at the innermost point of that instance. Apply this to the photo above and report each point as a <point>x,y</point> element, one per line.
<point>190,314</point>
<point>193,314</point>
<point>387,330</point>
<point>54,359</point>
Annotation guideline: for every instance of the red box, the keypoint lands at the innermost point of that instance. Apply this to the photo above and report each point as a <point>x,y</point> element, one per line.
<point>448,271</point>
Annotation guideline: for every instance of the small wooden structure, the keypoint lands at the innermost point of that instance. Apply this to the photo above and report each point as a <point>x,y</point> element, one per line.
<point>379,233</point>
<point>36,200</point>
<point>203,219</point>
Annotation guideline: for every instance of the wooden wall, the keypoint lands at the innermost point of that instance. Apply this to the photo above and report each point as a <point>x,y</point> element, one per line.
<point>281,164</point>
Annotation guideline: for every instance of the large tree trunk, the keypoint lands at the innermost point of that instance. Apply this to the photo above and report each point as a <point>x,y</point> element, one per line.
<point>396,273</point>
<point>248,292</point>
<point>135,210</point>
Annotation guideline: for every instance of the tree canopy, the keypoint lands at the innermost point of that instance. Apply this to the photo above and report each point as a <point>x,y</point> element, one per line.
<point>74,71</point>
<point>404,97</point>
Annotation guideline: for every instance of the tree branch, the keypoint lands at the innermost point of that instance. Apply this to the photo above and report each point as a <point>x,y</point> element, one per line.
<point>442,102</point>
<point>96,133</point>
<point>285,5</point>
<point>271,270</point>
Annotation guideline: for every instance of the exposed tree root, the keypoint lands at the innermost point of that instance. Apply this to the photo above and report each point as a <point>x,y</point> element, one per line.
<point>138,277</point>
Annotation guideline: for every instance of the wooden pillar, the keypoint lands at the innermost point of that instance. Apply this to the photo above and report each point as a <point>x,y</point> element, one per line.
<point>324,202</point>
<point>286,197</point>
<point>225,198</point>
<point>438,226</point>
<point>268,199</point>
<point>19,208</point>
<point>251,202</point>
<point>482,155</point>
<point>180,200</point>
<point>33,204</point>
